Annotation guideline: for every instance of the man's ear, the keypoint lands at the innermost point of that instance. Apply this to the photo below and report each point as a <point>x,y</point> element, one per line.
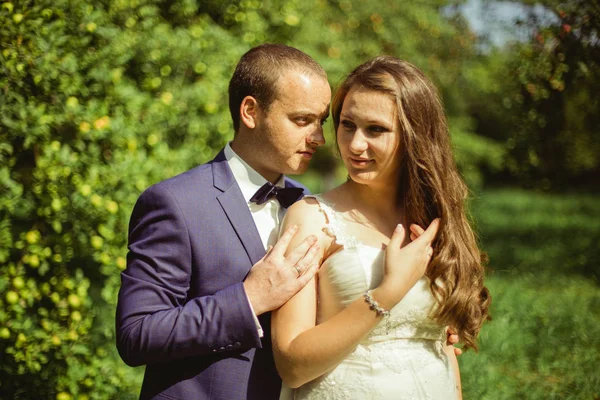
<point>249,112</point>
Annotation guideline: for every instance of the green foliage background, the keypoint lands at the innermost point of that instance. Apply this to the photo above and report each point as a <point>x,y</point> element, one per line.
<point>100,100</point>
<point>544,340</point>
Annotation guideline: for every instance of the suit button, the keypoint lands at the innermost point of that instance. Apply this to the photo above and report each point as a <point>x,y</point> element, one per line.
<point>237,345</point>
<point>229,347</point>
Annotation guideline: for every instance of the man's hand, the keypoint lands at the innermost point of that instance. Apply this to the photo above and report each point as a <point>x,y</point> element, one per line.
<point>274,279</point>
<point>452,339</point>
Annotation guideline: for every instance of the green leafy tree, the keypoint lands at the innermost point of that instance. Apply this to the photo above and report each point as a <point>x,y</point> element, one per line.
<point>551,91</point>
<point>99,101</point>
<point>343,34</point>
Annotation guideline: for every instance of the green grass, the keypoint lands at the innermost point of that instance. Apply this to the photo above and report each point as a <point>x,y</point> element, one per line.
<point>527,232</point>
<point>544,341</point>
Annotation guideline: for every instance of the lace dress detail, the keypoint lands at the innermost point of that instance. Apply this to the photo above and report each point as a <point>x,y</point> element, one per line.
<point>335,225</point>
<point>401,358</point>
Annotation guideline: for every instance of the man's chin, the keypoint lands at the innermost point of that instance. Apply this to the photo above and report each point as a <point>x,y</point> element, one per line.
<point>297,169</point>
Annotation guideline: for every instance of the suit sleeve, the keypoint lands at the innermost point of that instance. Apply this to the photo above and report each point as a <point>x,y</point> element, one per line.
<point>155,321</point>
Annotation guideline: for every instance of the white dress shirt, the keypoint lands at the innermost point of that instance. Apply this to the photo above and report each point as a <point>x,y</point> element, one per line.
<point>266,216</point>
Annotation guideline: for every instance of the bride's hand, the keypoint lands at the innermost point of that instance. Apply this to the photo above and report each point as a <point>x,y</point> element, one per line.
<point>405,265</point>
<point>415,231</point>
<point>452,337</point>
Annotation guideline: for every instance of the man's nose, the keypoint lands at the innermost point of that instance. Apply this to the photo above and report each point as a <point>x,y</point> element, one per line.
<point>317,138</point>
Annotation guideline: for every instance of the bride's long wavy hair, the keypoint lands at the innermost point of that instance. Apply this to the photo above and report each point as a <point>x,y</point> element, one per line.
<point>429,187</point>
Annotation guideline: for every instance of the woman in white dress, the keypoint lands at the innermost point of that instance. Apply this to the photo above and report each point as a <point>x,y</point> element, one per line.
<point>372,324</point>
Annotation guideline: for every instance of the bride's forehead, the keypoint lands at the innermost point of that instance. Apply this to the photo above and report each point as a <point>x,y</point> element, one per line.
<point>369,104</point>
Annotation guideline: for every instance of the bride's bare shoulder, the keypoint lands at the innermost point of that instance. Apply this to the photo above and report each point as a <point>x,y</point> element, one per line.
<point>307,208</point>
<point>338,197</point>
<point>312,209</point>
<point>308,216</point>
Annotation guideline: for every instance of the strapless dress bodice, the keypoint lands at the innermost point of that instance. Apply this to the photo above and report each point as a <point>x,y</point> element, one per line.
<point>403,356</point>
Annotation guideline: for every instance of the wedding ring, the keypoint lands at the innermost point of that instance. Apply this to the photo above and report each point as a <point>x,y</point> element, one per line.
<point>297,268</point>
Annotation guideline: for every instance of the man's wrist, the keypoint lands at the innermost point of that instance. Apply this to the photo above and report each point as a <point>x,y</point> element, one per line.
<point>254,315</point>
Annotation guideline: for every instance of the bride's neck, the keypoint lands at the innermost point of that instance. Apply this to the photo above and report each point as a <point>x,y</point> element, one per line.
<point>381,200</point>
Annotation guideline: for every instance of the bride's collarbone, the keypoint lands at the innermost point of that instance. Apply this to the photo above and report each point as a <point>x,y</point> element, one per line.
<point>367,232</point>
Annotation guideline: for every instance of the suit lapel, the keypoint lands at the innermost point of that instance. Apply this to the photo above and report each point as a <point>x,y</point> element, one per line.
<point>236,209</point>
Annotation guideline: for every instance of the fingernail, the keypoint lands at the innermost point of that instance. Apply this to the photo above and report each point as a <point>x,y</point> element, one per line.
<point>399,228</point>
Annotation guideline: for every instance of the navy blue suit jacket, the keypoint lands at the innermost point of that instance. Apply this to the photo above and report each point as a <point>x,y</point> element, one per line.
<point>182,310</point>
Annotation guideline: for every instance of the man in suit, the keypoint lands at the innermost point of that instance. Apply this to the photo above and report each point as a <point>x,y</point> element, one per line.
<point>195,297</point>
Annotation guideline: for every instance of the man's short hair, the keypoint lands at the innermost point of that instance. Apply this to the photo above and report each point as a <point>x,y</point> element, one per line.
<point>258,70</point>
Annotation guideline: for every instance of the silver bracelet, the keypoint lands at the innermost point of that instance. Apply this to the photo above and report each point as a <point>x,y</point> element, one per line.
<point>373,305</point>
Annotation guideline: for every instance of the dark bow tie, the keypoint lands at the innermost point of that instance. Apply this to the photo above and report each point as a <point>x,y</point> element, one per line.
<point>286,196</point>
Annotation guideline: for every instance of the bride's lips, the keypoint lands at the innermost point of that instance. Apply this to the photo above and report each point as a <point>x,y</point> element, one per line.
<point>360,162</point>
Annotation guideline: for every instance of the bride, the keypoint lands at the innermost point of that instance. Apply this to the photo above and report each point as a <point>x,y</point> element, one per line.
<point>372,324</point>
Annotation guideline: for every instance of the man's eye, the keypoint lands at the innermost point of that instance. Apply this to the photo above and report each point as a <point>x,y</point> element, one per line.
<point>301,121</point>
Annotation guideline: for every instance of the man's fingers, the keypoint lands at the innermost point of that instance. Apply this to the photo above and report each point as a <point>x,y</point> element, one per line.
<point>452,338</point>
<point>308,274</point>
<point>307,260</point>
<point>284,241</point>
<point>397,237</point>
<point>300,251</point>
<point>269,250</point>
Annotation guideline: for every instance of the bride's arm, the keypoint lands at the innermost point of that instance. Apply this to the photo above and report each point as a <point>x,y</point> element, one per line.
<point>303,350</point>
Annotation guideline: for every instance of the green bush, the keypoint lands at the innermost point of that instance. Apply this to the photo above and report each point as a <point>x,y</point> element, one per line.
<point>97,102</point>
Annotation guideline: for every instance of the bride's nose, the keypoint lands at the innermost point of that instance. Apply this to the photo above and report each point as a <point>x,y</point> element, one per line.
<point>358,144</point>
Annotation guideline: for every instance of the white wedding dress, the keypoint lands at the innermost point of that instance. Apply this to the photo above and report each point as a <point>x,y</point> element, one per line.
<point>403,357</point>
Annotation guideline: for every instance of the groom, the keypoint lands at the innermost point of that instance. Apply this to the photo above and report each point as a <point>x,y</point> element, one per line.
<point>196,295</point>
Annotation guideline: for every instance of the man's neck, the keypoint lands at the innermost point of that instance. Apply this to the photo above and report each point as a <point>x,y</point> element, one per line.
<point>244,151</point>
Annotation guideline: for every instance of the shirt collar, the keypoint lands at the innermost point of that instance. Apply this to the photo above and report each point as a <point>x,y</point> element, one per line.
<point>247,178</point>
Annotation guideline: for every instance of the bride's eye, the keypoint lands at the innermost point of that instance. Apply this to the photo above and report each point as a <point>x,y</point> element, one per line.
<point>347,124</point>
<point>376,129</point>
